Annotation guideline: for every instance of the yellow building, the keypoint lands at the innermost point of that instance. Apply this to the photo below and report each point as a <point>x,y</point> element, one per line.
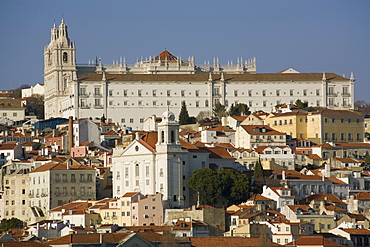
<point>291,123</point>
<point>335,126</point>
<point>320,126</point>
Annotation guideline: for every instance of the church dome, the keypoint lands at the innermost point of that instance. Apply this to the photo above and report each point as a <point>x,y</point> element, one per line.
<point>168,116</point>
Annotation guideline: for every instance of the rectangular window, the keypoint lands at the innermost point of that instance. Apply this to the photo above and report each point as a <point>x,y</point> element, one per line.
<point>168,92</point>
<point>154,92</point>
<point>124,92</point>
<point>97,102</point>
<point>196,93</point>
<point>305,92</point>
<point>131,120</point>
<point>82,91</point>
<point>182,93</point>
<point>110,92</point>
<point>317,92</point>
<point>97,91</point>
<point>154,102</point>
<point>263,92</point>
<point>249,92</point>
<point>235,92</point>
<point>122,120</point>
<point>139,92</point>
<point>277,92</point>
<point>141,120</point>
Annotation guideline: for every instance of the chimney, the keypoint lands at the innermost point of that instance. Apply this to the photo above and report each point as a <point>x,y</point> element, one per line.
<point>70,134</point>
<point>283,175</point>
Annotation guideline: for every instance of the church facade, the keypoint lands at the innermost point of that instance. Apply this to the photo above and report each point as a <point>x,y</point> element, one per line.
<point>127,94</point>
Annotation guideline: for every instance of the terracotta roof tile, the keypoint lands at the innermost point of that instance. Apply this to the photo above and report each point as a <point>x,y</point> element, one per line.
<point>225,242</point>
<point>257,130</point>
<point>204,77</point>
<point>313,241</point>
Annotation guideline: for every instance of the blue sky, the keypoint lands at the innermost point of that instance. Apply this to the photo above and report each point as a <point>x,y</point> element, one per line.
<point>310,36</point>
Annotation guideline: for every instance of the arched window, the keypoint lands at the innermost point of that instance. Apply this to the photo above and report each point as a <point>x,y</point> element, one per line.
<point>172,136</point>
<point>137,172</point>
<point>65,57</point>
<point>162,136</point>
<point>206,103</point>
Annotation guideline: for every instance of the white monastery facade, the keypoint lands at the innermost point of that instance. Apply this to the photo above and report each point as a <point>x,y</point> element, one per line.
<point>129,93</point>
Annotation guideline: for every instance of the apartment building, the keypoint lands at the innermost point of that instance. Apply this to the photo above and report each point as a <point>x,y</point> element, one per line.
<point>55,184</point>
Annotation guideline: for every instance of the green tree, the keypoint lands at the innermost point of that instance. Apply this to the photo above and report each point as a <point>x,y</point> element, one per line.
<point>302,105</point>
<point>258,177</point>
<point>211,185</point>
<point>219,111</point>
<point>205,182</point>
<point>367,159</point>
<point>35,106</point>
<point>239,109</point>
<point>13,223</point>
<point>184,114</point>
<point>234,186</point>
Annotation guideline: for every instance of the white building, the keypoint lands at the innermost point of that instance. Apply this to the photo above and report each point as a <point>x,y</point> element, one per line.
<point>128,93</point>
<point>281,195</point>
<point>10,151</point>
<point>37,89</point>
<point>159,162</point>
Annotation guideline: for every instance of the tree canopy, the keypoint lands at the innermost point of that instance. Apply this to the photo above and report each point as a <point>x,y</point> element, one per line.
<point>35,106</point>
<point>184,114</point>
<point>13,223</point>
<point>239,109</point>
<point>300,104</point>
<point>259,180</point>
<point>219,111</point>
<point>212,185</point>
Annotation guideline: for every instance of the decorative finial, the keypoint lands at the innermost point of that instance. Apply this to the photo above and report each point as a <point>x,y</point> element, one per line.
<point>352,76</point>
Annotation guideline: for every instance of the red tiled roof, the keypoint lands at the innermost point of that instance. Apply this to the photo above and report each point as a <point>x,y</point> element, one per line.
<point>358,217</point>
<point>347,160</point>
<point>259,197</point>
<point>7,146</point>
<point>225,242</point>
<point>312,241</point>
<point>257,130</point>
<point>130,194</point>
<point>362,196</point>
<point>357,231</point>
<point>336,181</point>
<point>313,157</point>
<point>329,197</point>
<point>60,166</point>
<point>334,208</point>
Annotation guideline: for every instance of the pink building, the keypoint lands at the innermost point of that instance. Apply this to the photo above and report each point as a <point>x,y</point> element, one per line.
<point>147,210</point>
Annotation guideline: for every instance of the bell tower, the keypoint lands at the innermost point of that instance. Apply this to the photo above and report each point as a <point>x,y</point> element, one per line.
<point>168,134</point>
<point>59,69</point>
